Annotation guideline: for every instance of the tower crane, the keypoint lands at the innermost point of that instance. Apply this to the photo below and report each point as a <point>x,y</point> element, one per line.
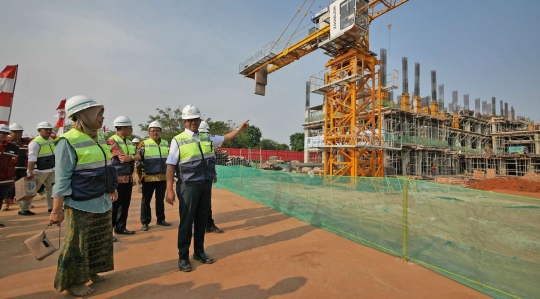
<point>353,85</point>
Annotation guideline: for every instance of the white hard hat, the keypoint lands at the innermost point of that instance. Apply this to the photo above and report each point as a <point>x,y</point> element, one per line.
<point>44,125</point>
<point>122,121</point>
<point>190,112</point>
<point>79,103</point>
<point>135,140</point>
<point>5,129</point>
<point>155,124</point>
<point>16,127</point>
<point>25,135</point>
<point>204,127</point>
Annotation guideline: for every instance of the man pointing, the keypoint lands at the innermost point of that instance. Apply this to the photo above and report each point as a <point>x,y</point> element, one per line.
<point>190,156</point>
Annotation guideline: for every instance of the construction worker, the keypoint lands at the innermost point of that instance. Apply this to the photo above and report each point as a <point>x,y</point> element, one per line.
<point>8,159</point>
<point>189,155</point>
<point>153,152</point>
<point>41,164</point>
<point>210,224</point>
<point>22,161</point>
<point>124,156</point>
<point>135,142</point>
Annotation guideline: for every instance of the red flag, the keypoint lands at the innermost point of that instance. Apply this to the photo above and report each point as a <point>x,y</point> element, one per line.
<point>8,77</point>
<point>61,114</point>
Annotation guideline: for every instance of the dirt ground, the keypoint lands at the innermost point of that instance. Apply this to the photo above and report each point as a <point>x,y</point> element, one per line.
<point>514,186</point>
<point>262,254</point>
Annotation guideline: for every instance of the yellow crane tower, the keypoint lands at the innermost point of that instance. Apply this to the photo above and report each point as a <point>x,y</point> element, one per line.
<point>351,84</point>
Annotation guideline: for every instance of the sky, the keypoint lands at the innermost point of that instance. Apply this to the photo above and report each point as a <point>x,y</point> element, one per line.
<point>136,56</point>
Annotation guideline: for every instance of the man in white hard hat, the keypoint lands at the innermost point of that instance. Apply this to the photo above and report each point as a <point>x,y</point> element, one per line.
<point>189,156</point>
<point>135,142</point>
<point>41,165</point>
<point>22,162</point>
<point>8,159</point>
<point>154,152</point>
<point>210,224</point>
<point>124,157</point>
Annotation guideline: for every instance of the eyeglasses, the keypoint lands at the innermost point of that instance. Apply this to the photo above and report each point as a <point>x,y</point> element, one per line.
<point>193,120</point>
<point>155,131</point>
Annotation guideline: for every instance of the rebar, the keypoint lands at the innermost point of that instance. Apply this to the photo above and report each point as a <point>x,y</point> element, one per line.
<point>405,69</point>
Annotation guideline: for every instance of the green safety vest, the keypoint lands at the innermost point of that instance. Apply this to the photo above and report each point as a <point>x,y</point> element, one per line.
<point>45,159</point>
<point>92,175</point>
<point>155,156</point>
<point>127,148</point>
<point>196,163</point>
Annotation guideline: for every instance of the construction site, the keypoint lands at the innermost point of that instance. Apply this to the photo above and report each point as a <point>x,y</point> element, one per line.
<point>421,136</point>
<point>377,157</point>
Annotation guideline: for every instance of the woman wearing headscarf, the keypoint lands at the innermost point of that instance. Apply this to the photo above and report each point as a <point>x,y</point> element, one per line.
<point>83,193</point>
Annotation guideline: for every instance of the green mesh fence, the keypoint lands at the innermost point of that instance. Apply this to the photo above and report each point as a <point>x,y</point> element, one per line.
<point>487,241</point>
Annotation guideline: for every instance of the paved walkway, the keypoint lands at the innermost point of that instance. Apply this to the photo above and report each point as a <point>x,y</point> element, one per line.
<point>262,254</point>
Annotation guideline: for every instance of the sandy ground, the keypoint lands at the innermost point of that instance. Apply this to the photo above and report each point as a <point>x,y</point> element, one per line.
<point>262,254</point>
<point>513,186</point>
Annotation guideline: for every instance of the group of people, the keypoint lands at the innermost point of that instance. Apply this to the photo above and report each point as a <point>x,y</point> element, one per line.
<point>93,181</point>
<point>20,158</point>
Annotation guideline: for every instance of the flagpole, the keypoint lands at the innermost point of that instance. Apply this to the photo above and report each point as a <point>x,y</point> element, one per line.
<point>12,97</point>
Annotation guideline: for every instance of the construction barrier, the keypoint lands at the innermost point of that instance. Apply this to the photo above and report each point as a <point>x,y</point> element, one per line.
<point>252,154</point>
<point>487,241</point>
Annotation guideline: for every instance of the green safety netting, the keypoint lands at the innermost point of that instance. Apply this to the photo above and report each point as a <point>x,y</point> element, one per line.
<point>487,241</point>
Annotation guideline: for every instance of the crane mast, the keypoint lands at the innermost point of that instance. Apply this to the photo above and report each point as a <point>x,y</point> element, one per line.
<point>352,83</point>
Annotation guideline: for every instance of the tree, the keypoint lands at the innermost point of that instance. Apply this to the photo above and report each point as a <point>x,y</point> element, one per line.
<point>171,121</point>
<point>268,144</point>
<point>282,147</point>
<point>248,138</point>
<point>220,127</point>
<point>297,142</point>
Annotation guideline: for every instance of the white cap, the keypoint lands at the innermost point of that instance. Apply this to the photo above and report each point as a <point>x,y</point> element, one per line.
<point>79,103</point>
<point>122,121</point>
<point>16,127</point>
<point>155,124</point>
<point>204,127</point>
<point>191,112</point>
<point>44,125</point>
<point>5,129</point>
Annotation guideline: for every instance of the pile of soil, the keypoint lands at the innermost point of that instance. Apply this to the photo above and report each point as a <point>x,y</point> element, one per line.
<point>506,184</point>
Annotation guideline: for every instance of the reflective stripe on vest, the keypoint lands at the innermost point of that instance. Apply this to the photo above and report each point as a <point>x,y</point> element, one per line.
<point>155,156</point>
<point>90,178</point>
<point>45,159</point>
<point>127,148</point>
<point>194,165</point>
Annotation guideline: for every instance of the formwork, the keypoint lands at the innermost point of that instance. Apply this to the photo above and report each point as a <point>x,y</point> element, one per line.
<point>485,240</point>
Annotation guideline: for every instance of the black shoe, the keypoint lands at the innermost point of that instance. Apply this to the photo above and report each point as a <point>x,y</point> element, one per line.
<point>163,223</point>
<point>125,232</point>
<point>214,229</point>
<point>184,265</point>
<point>49,210</point>
<point>203,258</point>
<point>144,227</point>
<point>27,213</point>
<point>114,239</point>
<point>1,225</point>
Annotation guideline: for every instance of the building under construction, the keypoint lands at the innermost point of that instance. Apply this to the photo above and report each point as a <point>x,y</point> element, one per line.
<point>420,136</point>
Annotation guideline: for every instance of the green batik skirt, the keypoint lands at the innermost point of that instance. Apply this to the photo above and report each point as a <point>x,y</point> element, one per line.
<point>87,248</point>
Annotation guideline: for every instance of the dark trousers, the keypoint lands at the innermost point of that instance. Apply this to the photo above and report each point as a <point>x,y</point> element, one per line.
<point>194,207</point>
<point>210,220</point>
<point>4,192</point>
<point>121,206</point>
<point>148,189</point>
